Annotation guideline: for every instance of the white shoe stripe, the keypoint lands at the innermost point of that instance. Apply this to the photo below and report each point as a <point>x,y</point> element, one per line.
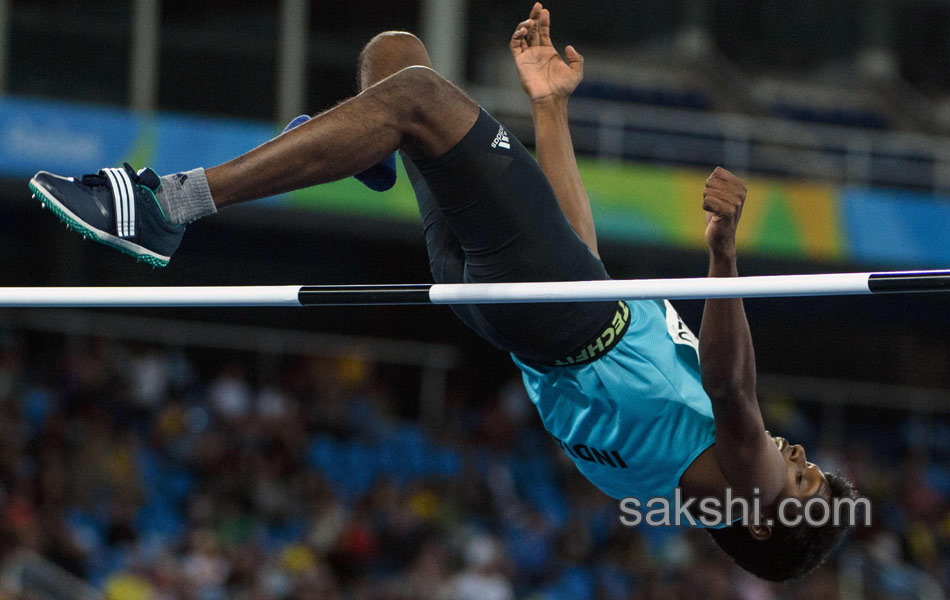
<point>118,193</point>
<point>130,228</point>
<point>125,202</point>
<point>127,187</point>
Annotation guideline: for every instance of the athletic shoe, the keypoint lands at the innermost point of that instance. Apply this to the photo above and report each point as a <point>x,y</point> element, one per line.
<point>115,207</point>
<point>378,178</point>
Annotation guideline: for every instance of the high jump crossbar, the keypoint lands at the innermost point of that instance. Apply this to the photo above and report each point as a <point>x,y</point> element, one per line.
<point>770,286</point>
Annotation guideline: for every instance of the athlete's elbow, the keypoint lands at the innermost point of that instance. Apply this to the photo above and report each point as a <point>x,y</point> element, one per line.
<point>729,389</point>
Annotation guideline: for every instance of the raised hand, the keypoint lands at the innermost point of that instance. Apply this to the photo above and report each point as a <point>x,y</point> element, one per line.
<point>544,74</point>
<point>723,199</point>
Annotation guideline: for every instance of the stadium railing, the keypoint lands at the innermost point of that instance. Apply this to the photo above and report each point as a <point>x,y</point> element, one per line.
<point>749,144</point>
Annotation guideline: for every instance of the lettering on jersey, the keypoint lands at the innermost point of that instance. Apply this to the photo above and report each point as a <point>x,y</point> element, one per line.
<point>608,458</point>
<point>604,341</point>
<point>501,140</point>
<point>678,330</point>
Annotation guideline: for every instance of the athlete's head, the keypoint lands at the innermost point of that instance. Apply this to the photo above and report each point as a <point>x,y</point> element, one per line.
<point>780,552</point>
<point>388,53</point>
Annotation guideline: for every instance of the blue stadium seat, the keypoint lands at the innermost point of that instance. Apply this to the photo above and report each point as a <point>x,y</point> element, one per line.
<point>670,98</point>
<point>158,518</point>
<point>574,583</point>
<point>844,116</point>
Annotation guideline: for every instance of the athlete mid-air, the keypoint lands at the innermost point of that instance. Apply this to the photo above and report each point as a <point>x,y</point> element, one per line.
<point>640,404</point>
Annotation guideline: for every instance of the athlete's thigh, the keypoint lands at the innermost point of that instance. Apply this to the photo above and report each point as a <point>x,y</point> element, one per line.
<point>446,257</point>
<point>502,210</point>
<point>497,202</point>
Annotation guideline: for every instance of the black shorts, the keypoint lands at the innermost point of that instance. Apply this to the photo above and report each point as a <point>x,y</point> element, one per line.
<point>490,216</point>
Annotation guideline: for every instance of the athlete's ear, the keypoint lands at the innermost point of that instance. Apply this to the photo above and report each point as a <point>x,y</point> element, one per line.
<point>760,532</point>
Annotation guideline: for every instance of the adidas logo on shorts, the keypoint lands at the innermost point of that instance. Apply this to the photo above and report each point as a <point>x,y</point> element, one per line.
<point>501,140</point>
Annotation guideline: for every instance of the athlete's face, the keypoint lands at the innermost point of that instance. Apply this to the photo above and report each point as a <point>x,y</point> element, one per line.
<point>803,480</point>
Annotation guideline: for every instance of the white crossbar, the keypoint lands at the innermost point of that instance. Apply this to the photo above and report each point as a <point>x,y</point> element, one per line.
<point>772,286</point>
<point>654,289</point>
<point>284,295</point>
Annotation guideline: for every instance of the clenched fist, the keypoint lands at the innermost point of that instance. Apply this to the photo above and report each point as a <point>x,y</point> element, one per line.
<point>722,200</point>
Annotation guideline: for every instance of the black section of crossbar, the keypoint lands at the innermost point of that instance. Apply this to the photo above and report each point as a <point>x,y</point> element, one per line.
<point>364,295</point>
<point>910,282</point>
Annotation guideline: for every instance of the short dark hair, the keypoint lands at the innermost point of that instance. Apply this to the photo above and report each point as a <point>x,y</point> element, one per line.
<point>790,552</point>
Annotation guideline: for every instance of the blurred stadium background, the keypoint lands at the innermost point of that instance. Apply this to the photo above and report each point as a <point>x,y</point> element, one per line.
<point>387,453</point>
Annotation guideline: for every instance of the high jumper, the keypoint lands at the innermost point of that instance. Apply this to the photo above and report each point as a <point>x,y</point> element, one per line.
<point>665,410</point>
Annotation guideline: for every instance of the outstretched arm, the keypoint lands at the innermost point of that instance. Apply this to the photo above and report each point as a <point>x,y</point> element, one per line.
<point>746,455</point>
<point>549,81</point>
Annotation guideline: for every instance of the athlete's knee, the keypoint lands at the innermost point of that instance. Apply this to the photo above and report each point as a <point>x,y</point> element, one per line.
<point>422,82</point>
<point>422,93</point>
<point>388,53</point>
<point>430,111</point>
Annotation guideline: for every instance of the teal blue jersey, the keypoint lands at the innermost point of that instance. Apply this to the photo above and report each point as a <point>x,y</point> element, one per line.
<point>634,419</point>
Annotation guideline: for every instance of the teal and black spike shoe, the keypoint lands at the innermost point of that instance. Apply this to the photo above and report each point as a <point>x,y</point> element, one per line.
<point>115,207</point>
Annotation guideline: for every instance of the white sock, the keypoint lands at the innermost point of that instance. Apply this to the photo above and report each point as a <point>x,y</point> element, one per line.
<point>185,197</point>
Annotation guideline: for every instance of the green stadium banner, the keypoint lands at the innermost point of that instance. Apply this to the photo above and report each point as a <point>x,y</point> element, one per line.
<point>646,205</point>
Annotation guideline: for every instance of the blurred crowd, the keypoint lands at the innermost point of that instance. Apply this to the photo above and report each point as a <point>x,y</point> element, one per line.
<point>151,475</point>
